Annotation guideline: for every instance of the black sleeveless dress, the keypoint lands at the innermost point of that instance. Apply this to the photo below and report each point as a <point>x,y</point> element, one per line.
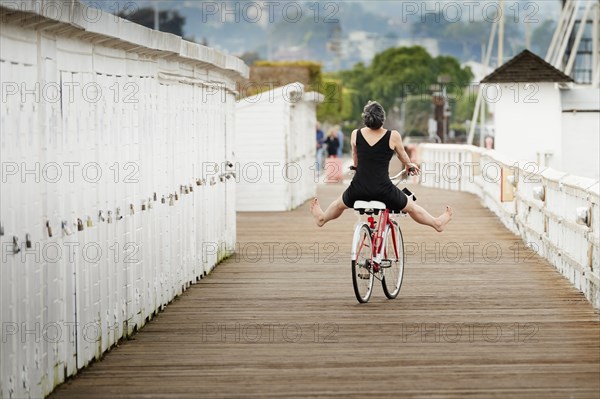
<point>372,180</point>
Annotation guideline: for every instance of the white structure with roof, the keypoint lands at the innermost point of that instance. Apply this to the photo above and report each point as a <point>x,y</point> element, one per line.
<point>275,149</point>
<point>542,116</point>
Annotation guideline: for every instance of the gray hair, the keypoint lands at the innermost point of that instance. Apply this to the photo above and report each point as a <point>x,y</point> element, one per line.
<point>373,115</point>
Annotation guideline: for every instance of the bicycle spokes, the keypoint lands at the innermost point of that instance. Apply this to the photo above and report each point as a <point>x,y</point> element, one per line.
<point>362,276</point>
<point>394,262</point>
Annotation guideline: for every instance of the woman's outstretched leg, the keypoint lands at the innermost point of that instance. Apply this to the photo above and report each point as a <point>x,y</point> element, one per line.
<point>420,215</point>
<point>333,211</point>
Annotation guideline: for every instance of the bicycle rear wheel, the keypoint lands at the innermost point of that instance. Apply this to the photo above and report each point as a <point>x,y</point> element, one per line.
<point>362,273</point>
<point>393,272</point>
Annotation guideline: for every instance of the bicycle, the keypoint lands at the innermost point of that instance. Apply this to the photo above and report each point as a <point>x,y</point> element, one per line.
<point>371,259</point>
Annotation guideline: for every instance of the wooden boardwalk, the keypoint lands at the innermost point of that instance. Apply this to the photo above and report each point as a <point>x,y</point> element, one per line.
<point>478,315</point>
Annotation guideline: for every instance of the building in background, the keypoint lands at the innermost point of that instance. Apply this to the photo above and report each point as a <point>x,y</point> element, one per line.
<point>542,116</point>
<point>275,148</point>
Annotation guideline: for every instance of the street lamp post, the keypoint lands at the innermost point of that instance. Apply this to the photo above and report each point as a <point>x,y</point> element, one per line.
<point>445,110</point>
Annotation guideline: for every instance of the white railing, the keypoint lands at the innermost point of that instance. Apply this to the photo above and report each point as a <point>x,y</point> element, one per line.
<point>103,118</point>
<point>556,214</point>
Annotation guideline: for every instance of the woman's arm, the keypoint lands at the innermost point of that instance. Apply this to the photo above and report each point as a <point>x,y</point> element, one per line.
<point>353,143</point>
<point>401,152</point>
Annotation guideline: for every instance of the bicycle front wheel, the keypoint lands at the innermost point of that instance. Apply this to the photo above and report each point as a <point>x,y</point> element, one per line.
<point>393,271</point>
<point>362,271</point>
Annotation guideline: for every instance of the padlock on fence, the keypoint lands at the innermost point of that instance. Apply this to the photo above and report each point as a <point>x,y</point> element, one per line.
<point>65,228</point>
<point>16,248</point>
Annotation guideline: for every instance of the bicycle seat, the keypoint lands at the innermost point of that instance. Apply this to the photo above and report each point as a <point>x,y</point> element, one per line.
<point>368,207</point>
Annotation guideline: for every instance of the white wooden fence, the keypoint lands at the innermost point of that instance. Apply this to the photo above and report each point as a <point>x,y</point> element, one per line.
<point>128,131</point>
<point>556,214</point>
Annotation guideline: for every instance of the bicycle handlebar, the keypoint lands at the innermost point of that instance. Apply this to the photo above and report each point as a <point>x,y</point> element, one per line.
<point>405,173</point>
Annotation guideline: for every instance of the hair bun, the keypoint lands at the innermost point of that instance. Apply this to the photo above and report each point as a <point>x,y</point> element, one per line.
<point>373,115</point>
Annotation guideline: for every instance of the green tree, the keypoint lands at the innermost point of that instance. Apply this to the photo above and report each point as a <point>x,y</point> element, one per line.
<point>337,103</point>
<point>418,110</point>
<point>463,105</point>
<point>397,73</point>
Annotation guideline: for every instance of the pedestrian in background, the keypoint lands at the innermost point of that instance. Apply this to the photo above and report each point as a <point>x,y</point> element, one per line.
<point>333,144</point>
<point>333,165</point>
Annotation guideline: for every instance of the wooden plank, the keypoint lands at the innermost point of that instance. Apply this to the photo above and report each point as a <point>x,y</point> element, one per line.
<point>264,324</point>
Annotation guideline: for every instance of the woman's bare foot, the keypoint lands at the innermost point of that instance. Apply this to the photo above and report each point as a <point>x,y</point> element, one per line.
<point>317,212</point>
<point>443,219</point>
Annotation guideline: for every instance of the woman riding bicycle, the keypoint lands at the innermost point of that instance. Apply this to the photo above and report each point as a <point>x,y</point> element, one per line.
<point>372,150</point>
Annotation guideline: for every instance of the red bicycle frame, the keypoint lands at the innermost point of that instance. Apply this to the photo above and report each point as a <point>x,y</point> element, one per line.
<point>377,238</point>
